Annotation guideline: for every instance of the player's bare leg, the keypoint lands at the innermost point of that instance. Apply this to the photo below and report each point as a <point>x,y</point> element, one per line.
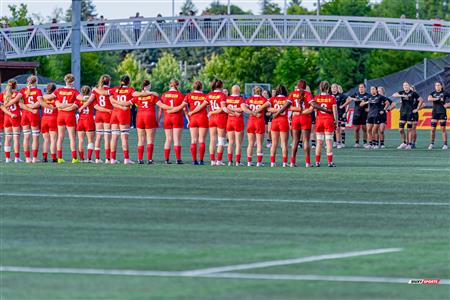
<point>45,145</point>
<point>294,145</point>
<point>401,130</point>
<point>124,133</point>
<point>364,130</point>
<point>202,140</point>
<point>150,144</point>
<point>35,133</point>
<point>7,144</point>
<point>320,140</point>
<point>231,142</point>
<point>61,134</point>
<point>251,143</point>
<point>221,134</point>
<point>414,135</point>
<point>259,149</point>
<point>72,140</point>
<point>99,134</point>
<point>239,137</point>
<point>306,147</point>
<point>329,143</point>
<point>81,135</point>
<point>284,139</point>
<point>375,129</point>
<point>357,128</point>
<point>141,142</point>
<point>368,130</point>
<point>212,144</point>
<point>53,144</point>
<point>91,138</point>
<point>273,148</point>
<point>26,142</point>
<point>177,133</point>
<point>16,140</point>
<point>115,132</point>
<point>381,130</point>
<point>168,144</point>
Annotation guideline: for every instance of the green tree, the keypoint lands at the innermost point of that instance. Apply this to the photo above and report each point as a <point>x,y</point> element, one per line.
<point>19,15</point>
<point>217,8</point>
<point>346,8</point>
<point>269,8</point>
<point>188,6</point>
<point>296,9</point>
<point>131,67</point>
<point>166,69</point>
<point>295,64</point>
<point>213,68</point>
<point>87,9</point>
<point>394,9</point>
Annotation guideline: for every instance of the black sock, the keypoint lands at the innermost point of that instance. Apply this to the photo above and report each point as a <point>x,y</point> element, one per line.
<point>445,143</point>
<point>313,142</point>
<point>365,141</point>
<point>343,137</point>
<point>381,142</point>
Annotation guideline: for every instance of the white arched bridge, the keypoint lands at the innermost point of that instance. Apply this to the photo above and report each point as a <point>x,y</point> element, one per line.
<point>229,30</point>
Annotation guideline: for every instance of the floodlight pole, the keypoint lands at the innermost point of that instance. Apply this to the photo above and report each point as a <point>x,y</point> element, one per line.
<point>76,42</point>
<point>318,7</point>
<point>229,7</point>
<point>173,8</point>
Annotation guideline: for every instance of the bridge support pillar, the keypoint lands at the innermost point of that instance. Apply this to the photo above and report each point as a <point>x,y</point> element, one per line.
<point>76,42</point>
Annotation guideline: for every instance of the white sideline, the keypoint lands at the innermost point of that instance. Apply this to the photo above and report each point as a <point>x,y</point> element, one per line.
<point>193,198</point>
<point>284,262</point>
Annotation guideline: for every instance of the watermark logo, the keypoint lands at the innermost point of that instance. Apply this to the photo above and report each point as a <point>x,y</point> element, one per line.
<point>424,281</point>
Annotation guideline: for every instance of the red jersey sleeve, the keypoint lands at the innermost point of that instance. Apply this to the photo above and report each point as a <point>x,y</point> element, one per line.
<point>309,97</point>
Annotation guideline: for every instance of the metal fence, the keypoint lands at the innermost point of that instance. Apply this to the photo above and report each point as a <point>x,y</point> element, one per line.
<point>230,30</point>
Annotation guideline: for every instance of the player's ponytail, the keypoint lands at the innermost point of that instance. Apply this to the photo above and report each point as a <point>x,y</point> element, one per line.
<point>197,86</point>
<point>216,84</point>
<point>124,81</point>
<point>281,90</point>
<point>324,87</point>
<point>174,84</point>
<point>12,84</point>
<point>301,87</point>
<point>257,90</point>
<point>69,79</point>
<point>104,80</point>
<point>31,81</point>
<point>85,90</point>
<point>145,84</point>
<point>51,87</point>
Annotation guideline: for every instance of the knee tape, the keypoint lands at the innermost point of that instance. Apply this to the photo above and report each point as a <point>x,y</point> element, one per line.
<point>90,146</point>
<point>115,131</point>
<point>36,132</point>
<point>26,132</point>
<point>321,136</point>
<point>222,141</point>
<point>125,131</point>
<point>99,131</point>
<point>329,136</point>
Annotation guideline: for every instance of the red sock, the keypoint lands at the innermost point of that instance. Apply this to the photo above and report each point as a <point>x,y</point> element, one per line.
<point>272,159</point>
<point>219,156</point>
<point>27,153</point>
<point>7,154</point>
<point>89,154</point>
<point>140,152</point>
<point>230,157</point>
<point>330,158</point>
<point>307,158</point>
<point>74,154</point>
<point>81,152</point>
<point>113,155</point>
<point>202,151</point>
<point>238,158</point>
<point>59,153</point>
<point>108,154</point>
<point>194,151</point>
<point>44,155</point>
<point>212,157</point>
<point>285,159</point>
<point>293,159</point>
<point>150,151</point>
<point>16,154</point>
<point>259,158</point>
<point>53,156</point>
<point>126,155</point>
<point>166,154</point>
<point>177,152</point>
<point>249,159</point>
<point>97,153</point>
<point>35,153</point>
<point>317,158</point>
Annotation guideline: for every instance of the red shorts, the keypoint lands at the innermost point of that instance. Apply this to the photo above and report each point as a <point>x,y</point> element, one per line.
<point>10,122</point>
<point>121,117</point>
<point>302,122</point>
<point>256,125</point>
<point>146,120</point>
<point>198,121</point>
<point>235,124</point>
<point>324,125</point>
<point>102,117</point>
<point>280,125</point>
<point>2,119</point>
<point>30,119</point>
<point>86,124</point>
<point>49,124</point>
<point>173,121</point>
<point>66,119</point>
<point>219,121</point>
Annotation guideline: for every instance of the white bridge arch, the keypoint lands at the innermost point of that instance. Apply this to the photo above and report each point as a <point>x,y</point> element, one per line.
<point>229,30</point>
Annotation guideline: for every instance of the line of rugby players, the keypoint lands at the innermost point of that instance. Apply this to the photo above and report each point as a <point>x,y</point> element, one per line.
<point>104,115</point>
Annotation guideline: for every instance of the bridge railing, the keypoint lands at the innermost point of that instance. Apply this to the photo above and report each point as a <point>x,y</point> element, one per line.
<point>237,30</point>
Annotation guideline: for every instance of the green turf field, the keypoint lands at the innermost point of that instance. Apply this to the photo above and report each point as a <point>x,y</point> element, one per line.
<point>279,233</point>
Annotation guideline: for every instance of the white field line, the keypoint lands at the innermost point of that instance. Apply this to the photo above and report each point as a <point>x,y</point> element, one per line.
<point>219,199</point>
<point>284,262</point>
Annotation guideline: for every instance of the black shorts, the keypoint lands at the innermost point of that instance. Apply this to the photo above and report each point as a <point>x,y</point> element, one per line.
<point>406,116</point>
<point>373,120</point>
<point>438,116</point>
<point>267,118</point>
<point>383,118</point>
<point>360,119</point>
